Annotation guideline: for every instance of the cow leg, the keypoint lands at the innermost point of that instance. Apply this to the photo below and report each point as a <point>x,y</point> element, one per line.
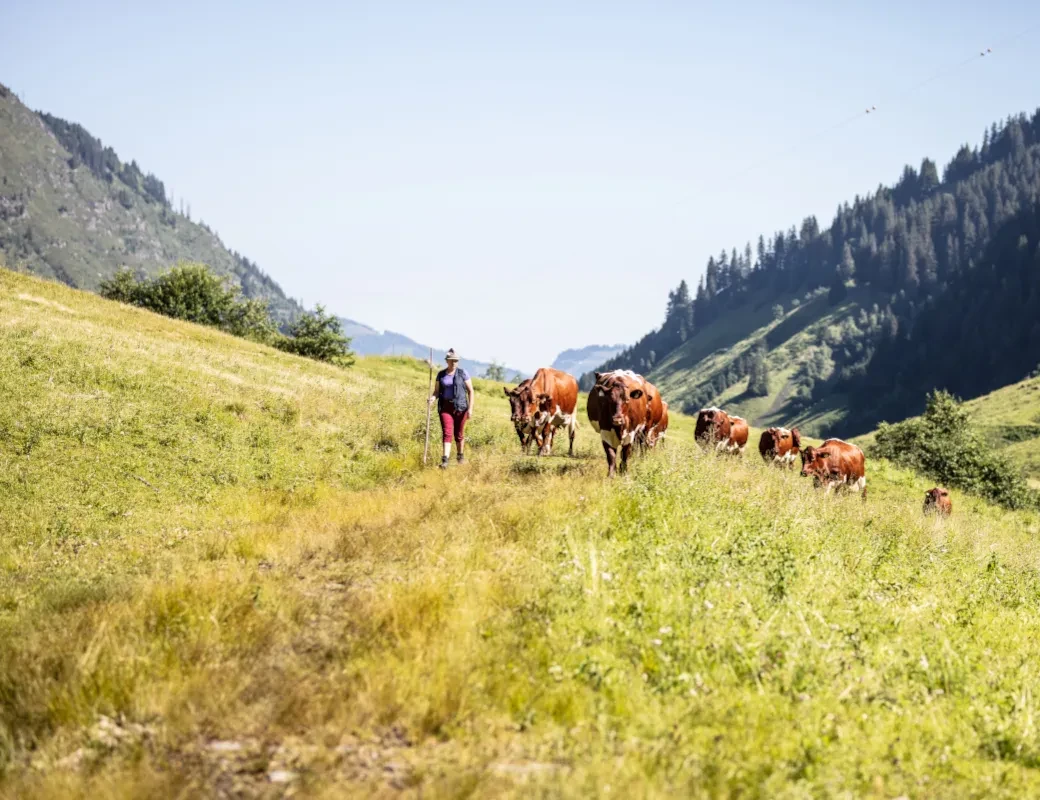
<point>626,450</point>
<point>545,446</point>
<point>611,459</point>
<point>572,429</point>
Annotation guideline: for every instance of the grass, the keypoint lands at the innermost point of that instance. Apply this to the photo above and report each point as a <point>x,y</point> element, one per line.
<point>223,571</point>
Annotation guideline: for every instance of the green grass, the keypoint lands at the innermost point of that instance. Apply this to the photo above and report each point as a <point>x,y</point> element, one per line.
<point>222,567</point>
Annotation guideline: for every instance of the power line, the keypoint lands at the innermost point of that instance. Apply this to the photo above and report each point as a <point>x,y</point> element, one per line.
<point>872,109</point>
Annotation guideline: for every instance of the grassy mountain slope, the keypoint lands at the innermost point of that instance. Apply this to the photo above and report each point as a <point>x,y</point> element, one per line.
<point>65,222</point>
<point>223,572</point>
<point>788,340</point>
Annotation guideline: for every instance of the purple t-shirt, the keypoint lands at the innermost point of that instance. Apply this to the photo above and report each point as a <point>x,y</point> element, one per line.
<point>447,388</point>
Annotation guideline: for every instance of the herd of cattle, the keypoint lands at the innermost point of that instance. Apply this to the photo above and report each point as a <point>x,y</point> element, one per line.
<point>627,411</point>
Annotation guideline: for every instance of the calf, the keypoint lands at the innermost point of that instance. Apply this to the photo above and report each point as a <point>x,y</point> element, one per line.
<point>617,409</point>
<point>937,501</point>
<point>780,446</point>
<point>836,465</point>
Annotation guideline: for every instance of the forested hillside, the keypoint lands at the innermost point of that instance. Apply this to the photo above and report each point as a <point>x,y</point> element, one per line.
<point>73,211</point>
<point>930,282</point>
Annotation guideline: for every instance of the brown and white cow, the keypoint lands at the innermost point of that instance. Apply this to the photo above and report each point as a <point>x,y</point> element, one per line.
<point>617,409</point>
<point>518,402</point>
<point>937,501</point>
<point>715,428</point>
<point>656,430</point>
<point>547,402</point>
<point>780,446</point>
<point>836,465</point>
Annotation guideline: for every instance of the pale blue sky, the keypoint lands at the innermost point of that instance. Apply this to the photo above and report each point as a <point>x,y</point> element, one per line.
<point>512,179</point>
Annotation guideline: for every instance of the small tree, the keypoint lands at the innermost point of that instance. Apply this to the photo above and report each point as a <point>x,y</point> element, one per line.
<point>495,372</point>
<point>318,335</point>
<point>944,445</point>
<point>758,374</point>
<point>778,312</point>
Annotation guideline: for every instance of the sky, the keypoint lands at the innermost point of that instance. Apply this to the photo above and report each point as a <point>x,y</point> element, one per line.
<point>514,179</point>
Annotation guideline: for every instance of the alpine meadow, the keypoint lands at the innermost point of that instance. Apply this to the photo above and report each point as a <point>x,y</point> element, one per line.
<point>224,571</point>
<point>256,542</point>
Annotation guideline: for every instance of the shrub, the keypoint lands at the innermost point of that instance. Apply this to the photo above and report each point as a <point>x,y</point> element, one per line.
<point>944,445</point>
<point>318,335</point>
<point>191,292</point>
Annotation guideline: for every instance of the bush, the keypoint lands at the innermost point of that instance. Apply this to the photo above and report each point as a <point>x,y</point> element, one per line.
<point>944,445</point>
<point>192,293</point>
<point>778,312</point>
<point>318,335</point>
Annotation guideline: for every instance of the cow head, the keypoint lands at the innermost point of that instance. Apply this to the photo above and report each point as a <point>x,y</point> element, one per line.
<point>936,498</point>
<point>711,424</point>
<point>796,438</point>
<point>815,464</point>
<point>521,402</point>
<point>615,394</point>
<point>773,438</point>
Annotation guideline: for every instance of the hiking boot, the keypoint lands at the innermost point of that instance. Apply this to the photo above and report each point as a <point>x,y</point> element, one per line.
<point>462,459</point>
<point>444,462</point>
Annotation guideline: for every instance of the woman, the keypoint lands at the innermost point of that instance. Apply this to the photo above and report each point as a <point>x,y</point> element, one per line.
<point>453,392</point>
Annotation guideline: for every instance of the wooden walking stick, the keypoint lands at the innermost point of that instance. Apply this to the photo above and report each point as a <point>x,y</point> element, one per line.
<point>429,409</point>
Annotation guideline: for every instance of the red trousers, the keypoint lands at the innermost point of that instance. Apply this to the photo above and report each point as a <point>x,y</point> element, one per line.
<point>453,423</point>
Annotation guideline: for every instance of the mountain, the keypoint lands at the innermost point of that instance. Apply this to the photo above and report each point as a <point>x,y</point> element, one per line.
<point>73,211</point>
<point>927,283</point>
<point>367,341</point>
<point>581,360</point>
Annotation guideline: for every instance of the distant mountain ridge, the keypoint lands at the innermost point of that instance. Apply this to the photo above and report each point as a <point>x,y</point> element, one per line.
<point>368,341</point>
<point>578,361</point>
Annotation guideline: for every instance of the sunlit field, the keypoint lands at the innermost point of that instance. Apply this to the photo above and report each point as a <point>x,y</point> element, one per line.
<point>224,572</point>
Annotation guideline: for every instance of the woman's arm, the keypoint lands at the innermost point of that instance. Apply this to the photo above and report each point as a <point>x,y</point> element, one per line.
<point>436,390</point>
<point>469,395</point>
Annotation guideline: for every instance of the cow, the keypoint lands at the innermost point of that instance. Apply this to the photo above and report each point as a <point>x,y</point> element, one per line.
<point>617,409</point>
<point>518,413</point>
<point>836,465</point>
<point>780,446</point>
<point>656,431</point>
<point>548,401</point>
<point>715,428</point>
<point>937,501</point>
<point>655,413</point>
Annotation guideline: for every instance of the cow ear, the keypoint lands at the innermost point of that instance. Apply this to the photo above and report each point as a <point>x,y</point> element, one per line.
<point>599,377</point>
<point>635,394</point>
<point>506,390</point>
